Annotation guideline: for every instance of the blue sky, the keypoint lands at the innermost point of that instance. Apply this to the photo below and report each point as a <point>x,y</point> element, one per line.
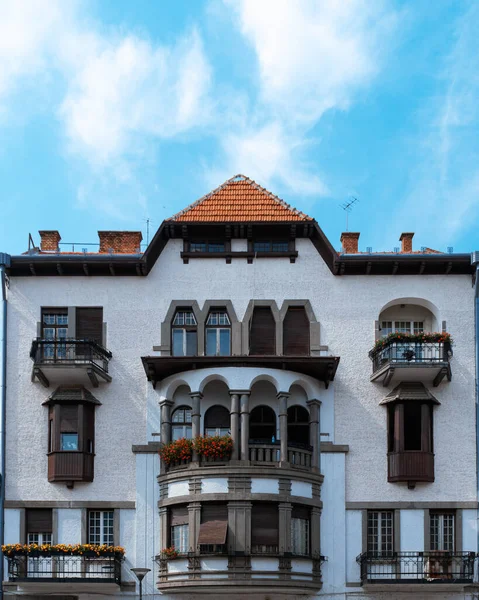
<point>114,111</point>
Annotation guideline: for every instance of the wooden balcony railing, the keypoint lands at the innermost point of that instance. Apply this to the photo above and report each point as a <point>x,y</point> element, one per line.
<point>70,466</point>
<point>417,567</point>
<point>410,465</point>
<point>61,567</point>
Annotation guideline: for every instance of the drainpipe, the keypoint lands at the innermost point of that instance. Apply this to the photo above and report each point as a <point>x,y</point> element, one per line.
<point>475,261</point>
<point>4,264</point>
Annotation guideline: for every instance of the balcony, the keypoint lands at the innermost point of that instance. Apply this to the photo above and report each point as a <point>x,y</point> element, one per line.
<point>410,466</point>
<point>60,573</point>
<point>417,567</point>
<point>247,574</point>
<point>69,361</point>
<point>427,362</point>
<point>70,466</point>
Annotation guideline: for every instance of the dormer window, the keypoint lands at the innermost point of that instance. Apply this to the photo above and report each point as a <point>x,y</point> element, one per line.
<point>183,333</point>
<point>207,246</point>
<point>218,334</point>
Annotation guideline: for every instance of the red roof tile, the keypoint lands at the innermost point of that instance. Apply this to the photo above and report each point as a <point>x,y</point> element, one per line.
<point>239,199</point>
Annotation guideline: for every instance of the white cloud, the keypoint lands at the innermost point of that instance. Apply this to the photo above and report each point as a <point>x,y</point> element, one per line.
<point>312,56</point>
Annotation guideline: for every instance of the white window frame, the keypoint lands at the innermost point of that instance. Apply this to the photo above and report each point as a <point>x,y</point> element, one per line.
<point>401,326</point>
<point>180,537</point>
<point>104,521</point>
<point>381,544</point>
<point>442,531</point>
<point>217,319</point>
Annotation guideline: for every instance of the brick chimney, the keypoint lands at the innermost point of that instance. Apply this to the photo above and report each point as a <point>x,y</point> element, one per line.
<point>121,242</point>
<point>49,240</point>
<point>406,242</point>
<point>349,241</point>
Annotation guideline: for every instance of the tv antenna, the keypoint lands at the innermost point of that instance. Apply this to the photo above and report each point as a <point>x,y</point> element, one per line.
<point>147,221</point>
<point>348,207</point>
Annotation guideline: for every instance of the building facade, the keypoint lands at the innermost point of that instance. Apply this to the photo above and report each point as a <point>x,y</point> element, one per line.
<point>345,380</point>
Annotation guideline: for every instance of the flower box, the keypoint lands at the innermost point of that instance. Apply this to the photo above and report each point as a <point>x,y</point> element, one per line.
<point>87,550</point>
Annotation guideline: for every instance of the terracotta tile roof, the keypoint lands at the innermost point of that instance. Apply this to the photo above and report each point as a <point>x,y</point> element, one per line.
<point>239,199</point>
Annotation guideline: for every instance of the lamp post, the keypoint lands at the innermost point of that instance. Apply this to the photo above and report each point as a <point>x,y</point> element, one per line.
<point>140,573</point>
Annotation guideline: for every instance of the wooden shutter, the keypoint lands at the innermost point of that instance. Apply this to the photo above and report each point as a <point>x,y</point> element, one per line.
<point>69,419</point>
<point>214,512</point>
<point>179,515</point>
<point>264,525</point>
<point>217,416</point>
<point>39,520</point>
<point>300,512</point>
<point>214,524</point>
<point>296,332</point>
<point>89,324</point>
<point>262,335</point>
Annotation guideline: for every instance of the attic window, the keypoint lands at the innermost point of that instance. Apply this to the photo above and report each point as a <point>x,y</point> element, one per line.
<point>271,246</point>
<point>207,246</point>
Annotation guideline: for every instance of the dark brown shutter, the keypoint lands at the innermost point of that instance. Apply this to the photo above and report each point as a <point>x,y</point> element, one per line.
<point>69,419</point>
<point>264,525</point>
<point>296,332</point>
<point>262,335</point>
<point>89,324</point>
<point>179,515</point>
<point>217,416</point>
<point>39,520</point>
<point>300,512</point>
<point>214,512</point>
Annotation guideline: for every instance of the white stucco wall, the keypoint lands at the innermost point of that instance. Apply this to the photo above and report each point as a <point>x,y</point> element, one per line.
<point>69,526</point>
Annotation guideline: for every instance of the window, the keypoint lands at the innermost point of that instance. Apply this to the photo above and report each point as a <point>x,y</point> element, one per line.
<point>296,332</point>
<point>100,527</point>
<point>380,532</point>
<point>264,528</point>
<point>207,247</point>
<point>68,427</point>
<point>388,327</point>
<point>179,530</point>
<point>184,340</point>
<point>39,525</point>
<point>213,528</point>
<point>181,423</point>
<point>262,424</point>
<point>271,246</point>
<point>69,441</point>
<point>55,328</point>
<point>411,431</point>
<point>218,334</point>
<point>300,531</point>
<point>298,425</point>
<point>262,334</point>
<point>441,527</point>
<point>217,421</point>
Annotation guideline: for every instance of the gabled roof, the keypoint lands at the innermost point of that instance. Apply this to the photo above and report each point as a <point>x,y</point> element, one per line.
<point>239,199</point>
<point>73,394</point>
<point>409,390</point>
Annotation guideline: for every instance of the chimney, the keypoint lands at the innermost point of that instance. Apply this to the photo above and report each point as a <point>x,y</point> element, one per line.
<point>120,242</point>
<point>49,241</point>
<point>406,242</point>
<point>349,241</point>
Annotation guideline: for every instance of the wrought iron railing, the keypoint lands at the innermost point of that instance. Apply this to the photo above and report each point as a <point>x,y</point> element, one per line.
<point>410,352</point>
<point>417,567</point>
<point>53,567</point>
<point>69,351</point>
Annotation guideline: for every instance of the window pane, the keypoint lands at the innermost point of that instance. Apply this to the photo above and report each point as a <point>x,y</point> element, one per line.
<point>62,319</point>
<point>178,342</point>
<point>216,247</point>
<point>403,326</point>
<point>69,441</point>
<point>197,247</point>
<point>300,536</point>
<point>179,538</point>
<point>280,246</point>
<point>191,346</point>
<point>418,326</point>
<point>211,342</point>
<point>262,246</point>
<point>225,342</point>
<point>386,328</point>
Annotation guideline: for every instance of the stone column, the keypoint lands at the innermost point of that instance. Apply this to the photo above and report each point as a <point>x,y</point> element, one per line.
<point>194,520</point>
<point>164,537</point>
<point>315,531</point>
<point>165,406</point>
<point>234,424</point>
<point>314,437</point>
<point>284,516</point>
<point>283,424</point>
<point>195,418</point>
<point>244,400</point>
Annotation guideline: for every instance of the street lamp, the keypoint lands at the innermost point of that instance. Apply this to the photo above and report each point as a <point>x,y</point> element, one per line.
<point>140,573</point>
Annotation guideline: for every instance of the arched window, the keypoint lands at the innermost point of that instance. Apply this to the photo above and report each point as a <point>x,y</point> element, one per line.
<point>262,334</point>
<point>181,423</point>
<point>298,425</point>
<point>218,333</point>
<point>296,332</point>
<point>217,421</point>
<point>262,424</point>
<point>183,333</point>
